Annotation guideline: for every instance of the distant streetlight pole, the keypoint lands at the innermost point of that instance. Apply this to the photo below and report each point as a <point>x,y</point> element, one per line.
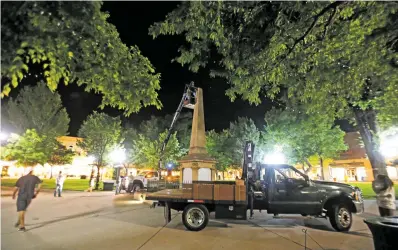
<point>118,156</point>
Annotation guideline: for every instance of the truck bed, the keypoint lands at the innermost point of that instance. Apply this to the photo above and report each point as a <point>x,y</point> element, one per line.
<point>204,192</point>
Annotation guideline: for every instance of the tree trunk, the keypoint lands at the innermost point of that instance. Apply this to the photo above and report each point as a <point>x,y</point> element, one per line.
<point>309,166</point>
<point>91,176</point>
<point>51,172</point>
<point>98,177</point>
<point>223,175</point>
<point>366,122</point>
<point>321,164</point>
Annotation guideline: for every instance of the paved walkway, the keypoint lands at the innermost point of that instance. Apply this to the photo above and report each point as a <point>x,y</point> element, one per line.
<point>99,221</point>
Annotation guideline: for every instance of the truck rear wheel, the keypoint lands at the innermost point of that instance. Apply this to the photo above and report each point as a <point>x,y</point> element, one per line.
<point>340,217</point>
<point>195,217</point>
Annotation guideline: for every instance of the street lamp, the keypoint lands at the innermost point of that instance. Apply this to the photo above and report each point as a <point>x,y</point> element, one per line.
<point>117,156</point>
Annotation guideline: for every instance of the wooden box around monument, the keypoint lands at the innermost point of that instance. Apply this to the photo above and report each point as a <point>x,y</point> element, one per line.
<point>187,191</point>
<point>223,192</point>
<point>240,192</point>
<point>203,191</point>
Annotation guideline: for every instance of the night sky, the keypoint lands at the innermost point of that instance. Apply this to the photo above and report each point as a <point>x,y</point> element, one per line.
<point>132,20</point>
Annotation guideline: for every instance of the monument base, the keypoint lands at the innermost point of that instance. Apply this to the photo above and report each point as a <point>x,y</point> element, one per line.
<point>197,168</point>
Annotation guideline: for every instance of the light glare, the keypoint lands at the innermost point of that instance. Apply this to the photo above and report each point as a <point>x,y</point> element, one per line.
<point>274,158</point>
<point>118,155</point>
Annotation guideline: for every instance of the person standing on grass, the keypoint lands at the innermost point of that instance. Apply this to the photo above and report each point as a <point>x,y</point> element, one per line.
<point>25,187</point>
<point>59,184</point>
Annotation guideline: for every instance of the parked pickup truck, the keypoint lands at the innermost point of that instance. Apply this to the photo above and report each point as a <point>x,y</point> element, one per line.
<point>141,181</point>
<point>282,189</point>
<point>278,189</point>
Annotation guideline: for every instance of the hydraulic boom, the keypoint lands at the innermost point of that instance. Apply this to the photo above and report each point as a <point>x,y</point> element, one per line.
<point>188,100</point>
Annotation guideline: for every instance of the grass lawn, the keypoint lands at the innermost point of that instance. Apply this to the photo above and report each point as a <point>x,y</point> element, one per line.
<point>69,184</point>
<point>367,190</point>
<point>81,185</point>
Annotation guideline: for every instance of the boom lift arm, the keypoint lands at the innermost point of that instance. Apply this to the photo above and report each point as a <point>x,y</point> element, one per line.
<point>188,100</point>
<point>248,173</point>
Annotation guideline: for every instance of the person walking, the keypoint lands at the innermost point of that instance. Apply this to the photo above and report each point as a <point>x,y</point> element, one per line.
<point>59,182</point>
<point>91,185</point>
<point>25,187</point>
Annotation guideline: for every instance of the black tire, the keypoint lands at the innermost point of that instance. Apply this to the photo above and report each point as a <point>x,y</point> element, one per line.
<point>136,187</point>
<point>130,188</point>
<point>340,217</point>
<point>195,210</point>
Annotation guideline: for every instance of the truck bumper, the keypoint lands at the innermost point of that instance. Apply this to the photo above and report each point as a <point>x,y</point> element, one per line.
<point>359,206</point>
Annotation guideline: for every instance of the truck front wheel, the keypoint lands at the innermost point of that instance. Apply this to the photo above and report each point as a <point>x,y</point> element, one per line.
<point>136,187</point>
<point>195,217</point>
<point>340,217</point>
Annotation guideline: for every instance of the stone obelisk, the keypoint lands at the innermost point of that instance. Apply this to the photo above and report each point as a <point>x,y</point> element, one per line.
<point>198,165</point>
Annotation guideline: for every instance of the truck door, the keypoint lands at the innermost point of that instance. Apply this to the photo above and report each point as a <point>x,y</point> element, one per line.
<point>291,193</point>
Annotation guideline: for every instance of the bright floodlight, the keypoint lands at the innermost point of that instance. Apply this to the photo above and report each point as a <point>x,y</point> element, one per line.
<point>389,147</point>
<point>274,158</point>
<point>118,155</point>
<point>389,143</point>
<point>3,136</point>
<point>91,158</point>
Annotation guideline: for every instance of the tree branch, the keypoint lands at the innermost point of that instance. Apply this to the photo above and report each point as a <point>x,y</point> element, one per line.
<point>330,20</point>
<point>315,20</point>
<point>309,166</point>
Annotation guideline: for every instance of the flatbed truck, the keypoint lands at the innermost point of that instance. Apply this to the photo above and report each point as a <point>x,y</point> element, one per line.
<point>276,188</point>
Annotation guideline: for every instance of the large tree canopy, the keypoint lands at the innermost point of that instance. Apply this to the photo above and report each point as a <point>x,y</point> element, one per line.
<point>60,156</point>
<point>302,136</point>
<point>338,58</point>
<point>318,50</point>
<point>227,146</point>
<point>218,147</point>
<point>29,149</point>
<point>74,42</point>
<point>101,133</point>
<point>37,108</point>
<point>147,151</point>
<point>143,144</point>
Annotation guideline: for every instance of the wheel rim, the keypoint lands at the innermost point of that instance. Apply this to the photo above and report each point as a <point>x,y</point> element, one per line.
<point>344,217</point>
<point>195,217</point>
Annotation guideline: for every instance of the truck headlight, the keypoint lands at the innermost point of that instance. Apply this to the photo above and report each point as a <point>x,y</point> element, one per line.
<point>357,195</point>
